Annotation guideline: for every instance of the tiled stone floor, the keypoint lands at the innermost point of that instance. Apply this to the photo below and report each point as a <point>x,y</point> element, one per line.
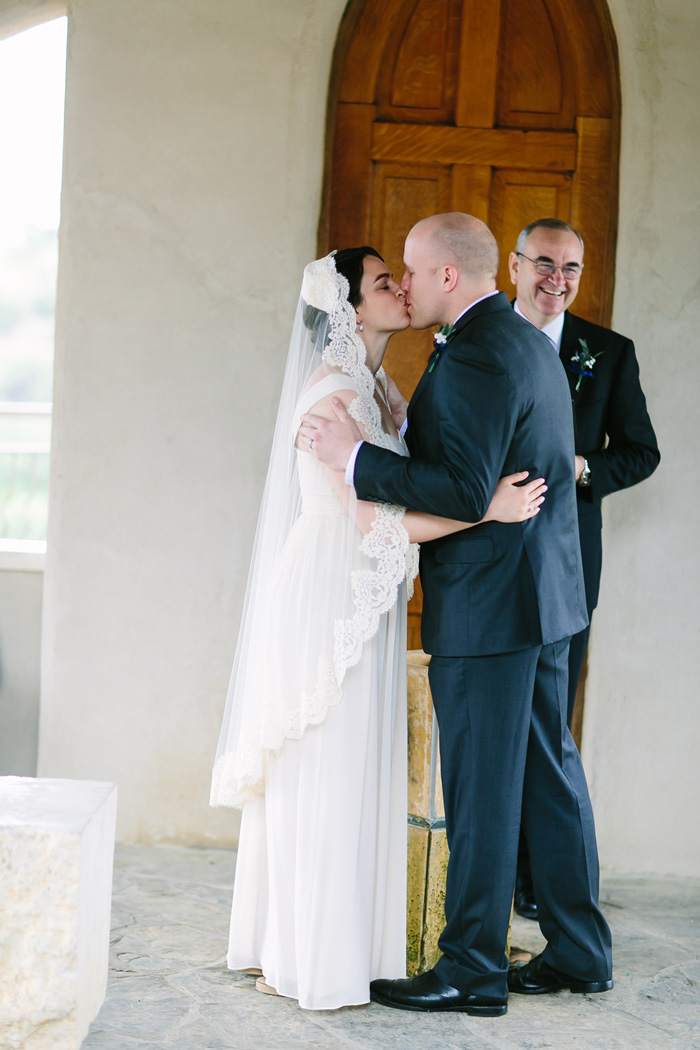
<point>169,986</point>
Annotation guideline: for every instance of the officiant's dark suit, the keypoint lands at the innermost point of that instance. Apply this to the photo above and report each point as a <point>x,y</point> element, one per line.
<point>614,439</point>
<point>613,432</point>
<point>500,602</point>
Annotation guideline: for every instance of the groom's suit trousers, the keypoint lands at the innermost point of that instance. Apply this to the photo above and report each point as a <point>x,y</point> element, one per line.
<point>502,723</point>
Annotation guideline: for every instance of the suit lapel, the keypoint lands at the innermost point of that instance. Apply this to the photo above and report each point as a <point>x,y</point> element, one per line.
<point>493,302</point>
<point>422,384</point>
<point>569,346</point>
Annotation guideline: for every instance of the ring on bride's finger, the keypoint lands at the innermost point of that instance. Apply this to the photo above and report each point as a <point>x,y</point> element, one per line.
<point>311,442</point>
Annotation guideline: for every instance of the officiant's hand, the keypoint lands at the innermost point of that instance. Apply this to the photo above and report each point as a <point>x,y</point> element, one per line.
<point>330,441</point>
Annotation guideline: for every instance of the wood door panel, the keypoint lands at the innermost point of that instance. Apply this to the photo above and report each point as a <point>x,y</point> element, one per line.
<point>352,176</point>
<point>478,63</point>
<point>403,194</point>
<point>367,32</point>
<point>420,75</point>
<point>536,84</point>
<point>500,147</point>
<point>471,189</point>
<point>515,197</point>
<point>594,213</point>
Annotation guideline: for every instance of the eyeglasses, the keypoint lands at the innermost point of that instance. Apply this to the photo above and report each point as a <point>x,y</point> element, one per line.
<point>548,269</point>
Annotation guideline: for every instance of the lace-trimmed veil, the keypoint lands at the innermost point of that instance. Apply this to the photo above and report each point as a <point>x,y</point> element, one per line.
<point>310,638</point>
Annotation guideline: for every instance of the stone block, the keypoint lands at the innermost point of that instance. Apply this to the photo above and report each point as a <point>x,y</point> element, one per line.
<point>424,780</point>
<point>427,869</point>
<point>427,840</point>
<point>56,856</point>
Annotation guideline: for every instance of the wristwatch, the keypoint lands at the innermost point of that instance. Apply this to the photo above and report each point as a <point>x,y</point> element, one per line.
<point>585,475</point>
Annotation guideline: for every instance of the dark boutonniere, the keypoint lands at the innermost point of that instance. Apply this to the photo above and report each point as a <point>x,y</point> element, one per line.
<point>440,341</point>
<point>582,363</point>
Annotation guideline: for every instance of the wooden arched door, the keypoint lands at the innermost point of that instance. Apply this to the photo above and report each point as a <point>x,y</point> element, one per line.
<point>507,109</point>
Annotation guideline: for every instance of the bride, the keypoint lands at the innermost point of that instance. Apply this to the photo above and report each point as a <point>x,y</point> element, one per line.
<point>313,744</point>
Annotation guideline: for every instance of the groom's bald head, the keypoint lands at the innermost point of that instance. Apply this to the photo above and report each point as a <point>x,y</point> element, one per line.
<point>462,240</point>
<point>451,260</point>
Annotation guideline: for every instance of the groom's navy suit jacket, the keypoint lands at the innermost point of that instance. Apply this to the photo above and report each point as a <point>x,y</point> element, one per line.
<point>496,401</point>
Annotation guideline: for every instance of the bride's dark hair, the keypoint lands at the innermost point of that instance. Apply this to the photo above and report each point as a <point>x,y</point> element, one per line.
<point>351,263</point>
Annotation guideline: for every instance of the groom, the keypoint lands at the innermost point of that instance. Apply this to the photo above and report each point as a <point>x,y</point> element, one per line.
<point>500,603</point>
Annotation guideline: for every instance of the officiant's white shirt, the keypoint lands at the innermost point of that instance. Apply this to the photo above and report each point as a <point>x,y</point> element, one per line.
<point>553,329</point>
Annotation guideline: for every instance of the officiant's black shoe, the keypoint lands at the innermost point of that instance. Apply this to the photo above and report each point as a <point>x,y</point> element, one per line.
<point>537,977</point>
<point>428,992</point>
<point>524,902</point>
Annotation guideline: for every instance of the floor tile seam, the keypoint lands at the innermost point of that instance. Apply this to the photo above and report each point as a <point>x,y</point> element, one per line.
<point>176,966</point>
<point>474,1027</point>
<point>668,970</point>
<point>642,933</point>
<point>189,886</point>
<point>329,1028</point>
<point>224,1034</point>
<point>154,923</point>
<point>630,1016</point>
<point>186,901</point>
<point>123,975</point>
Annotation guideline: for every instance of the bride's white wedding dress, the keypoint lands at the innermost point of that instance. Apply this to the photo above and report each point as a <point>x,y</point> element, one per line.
<point>313,741</point>
<point>319,900</point>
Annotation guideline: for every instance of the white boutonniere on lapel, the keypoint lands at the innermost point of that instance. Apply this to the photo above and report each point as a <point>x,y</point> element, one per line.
<point>582,363</point>
<point>440,341</point>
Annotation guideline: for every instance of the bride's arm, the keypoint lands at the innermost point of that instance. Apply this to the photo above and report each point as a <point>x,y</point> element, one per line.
<point>511,502</point>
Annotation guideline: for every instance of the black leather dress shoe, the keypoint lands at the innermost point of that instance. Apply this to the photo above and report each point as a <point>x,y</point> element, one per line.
<point>537,977</point>
<point>428,992</point>
<point>524,902</point>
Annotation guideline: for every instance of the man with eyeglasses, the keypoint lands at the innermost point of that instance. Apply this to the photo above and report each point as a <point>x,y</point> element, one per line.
<point>614,439</point>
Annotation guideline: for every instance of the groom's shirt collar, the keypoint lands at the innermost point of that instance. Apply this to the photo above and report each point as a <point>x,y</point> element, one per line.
<point>480,299</point>
<point>553,329</point>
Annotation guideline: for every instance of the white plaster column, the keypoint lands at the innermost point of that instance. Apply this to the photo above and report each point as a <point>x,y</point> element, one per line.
<point>192,177</point>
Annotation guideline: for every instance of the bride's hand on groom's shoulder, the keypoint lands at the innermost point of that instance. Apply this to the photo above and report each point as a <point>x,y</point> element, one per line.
<point>513,501</point>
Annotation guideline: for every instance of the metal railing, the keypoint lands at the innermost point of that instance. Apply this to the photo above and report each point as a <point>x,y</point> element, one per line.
<point>25,447</point>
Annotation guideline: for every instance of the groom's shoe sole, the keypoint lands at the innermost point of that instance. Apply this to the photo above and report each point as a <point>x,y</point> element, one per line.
<point>475,1009</point>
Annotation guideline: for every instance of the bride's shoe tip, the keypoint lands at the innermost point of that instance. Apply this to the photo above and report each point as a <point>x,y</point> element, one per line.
<point>252,969</point>
<point>262,986</point>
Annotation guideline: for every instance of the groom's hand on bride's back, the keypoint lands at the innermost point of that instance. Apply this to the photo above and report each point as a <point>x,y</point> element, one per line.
<point>330,441</point>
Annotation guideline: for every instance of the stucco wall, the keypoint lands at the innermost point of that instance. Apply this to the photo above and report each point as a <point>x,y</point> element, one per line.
<point>193,165</point>
<point>642,728</point>
<point>21,580</point>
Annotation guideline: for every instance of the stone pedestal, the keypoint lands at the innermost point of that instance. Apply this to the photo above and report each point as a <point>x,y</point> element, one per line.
<point>427,839</point>
<point>56,856</point>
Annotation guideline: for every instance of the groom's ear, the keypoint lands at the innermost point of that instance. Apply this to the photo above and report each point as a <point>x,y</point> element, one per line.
<point>450,276</point>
